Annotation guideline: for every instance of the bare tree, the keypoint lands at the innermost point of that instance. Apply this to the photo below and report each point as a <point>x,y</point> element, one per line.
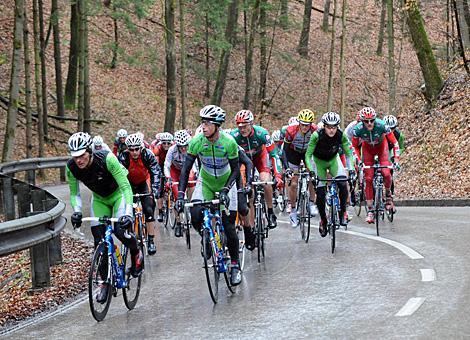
<point>170,113</point>
<point>14,81</point>
<point>27,85</point>
<point>249,49</point>
<point>342,72</point>
<point>302,48</point>
<point>263,56</point>
<point>37,78</point>
<point>459,33</point>
<point>57,58</point>
<point>332,56</point>
<point>71,84</point>
<point>391,58</point>
<point>183,65</point>
<point>380,43</point>
<point>326,14</point>
<point>43,68</point>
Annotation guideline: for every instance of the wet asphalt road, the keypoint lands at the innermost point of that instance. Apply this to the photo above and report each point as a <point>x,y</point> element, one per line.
<point>367,289</point>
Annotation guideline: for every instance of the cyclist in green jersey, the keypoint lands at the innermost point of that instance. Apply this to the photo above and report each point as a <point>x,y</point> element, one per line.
<point>102,173</point>
<point>218,155</point>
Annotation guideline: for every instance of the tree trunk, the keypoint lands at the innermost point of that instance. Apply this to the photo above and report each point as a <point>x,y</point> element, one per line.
<point>332,57</point>
<point>86,73</point>
<point>427,61</point>
<point>71,84</point>
<point>183,65</point>
<point>391,58</point>
<point>57,58</point>
<point>249,49</point>
<point>464,21</point>
<point>466,12</point>
<point>14,91</point>
<point>208,51</point>
<point>284,19</point>
<point>81,66</point>
<point>448,31</point>
<point>115,45</point>
<point>382,28</point>
<point>326,14</point>
<point>302,49</point>
<point>230,33</point>
<point>43,69</point>
<point>459,33</point>
<point>170,114</point>
<point>341,64</point>
<point>37,78</point>
<point>27,85</point>
<point>263,60</point>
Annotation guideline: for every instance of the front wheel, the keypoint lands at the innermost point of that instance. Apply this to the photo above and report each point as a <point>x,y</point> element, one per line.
<point>210,266</point>
<point>131,290</point>
<point>332,228</point>
<point>378,212</point>
<point>241,246</point>
<point>97,278</point>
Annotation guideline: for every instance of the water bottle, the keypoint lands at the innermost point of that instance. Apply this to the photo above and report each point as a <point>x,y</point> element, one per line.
<point>118,254</point>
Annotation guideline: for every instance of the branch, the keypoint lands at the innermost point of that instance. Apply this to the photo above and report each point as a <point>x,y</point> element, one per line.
<point>322,11</point>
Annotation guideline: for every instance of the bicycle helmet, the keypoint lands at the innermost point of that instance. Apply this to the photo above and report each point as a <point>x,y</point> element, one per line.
<point>97,141</point>
<point>367,113</point>
<point>157,136</point>
<point>198,130</point>
<point>276,135</point>
<point>391,121</point>
<point>134,140</point>
<point>306,116</point>
<point>165,137</point>
<point>244,117</point>
<point>79,143</point>
<point>293,121</point>
<point>331,118</point>
<point>212,113</point>
<point>121,133</point>
<point>182,137</point>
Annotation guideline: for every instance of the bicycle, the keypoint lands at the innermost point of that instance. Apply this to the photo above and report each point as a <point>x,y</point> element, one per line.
<point>303,204</point>
<point>116,276</point>
<point>185,219</point>
<point>241,237</point>
<point>377,184</point>
<point>140,227</point>
<point>358,190</point>
<point>169,214</point>
<point>280,196</point>
<point>214,250</point>
<point>333,207</point>
<point>261,229</point>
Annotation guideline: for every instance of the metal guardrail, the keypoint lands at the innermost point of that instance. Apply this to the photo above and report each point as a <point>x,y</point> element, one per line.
<point>33,217</point>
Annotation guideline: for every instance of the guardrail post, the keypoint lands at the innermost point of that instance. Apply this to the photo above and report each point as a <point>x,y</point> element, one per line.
<point>39,254</point>
<point>8,199</point>
<point>62,174</point>
<point>55,244</point>
<point>24,196</point>
<point>31,174</point>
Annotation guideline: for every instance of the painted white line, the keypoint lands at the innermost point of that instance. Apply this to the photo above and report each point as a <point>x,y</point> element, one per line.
<point>412,254</point>
<point>428,275</point>
<point>411,306</point>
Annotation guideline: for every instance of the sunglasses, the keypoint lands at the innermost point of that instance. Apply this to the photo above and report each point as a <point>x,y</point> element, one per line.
<point>331,127</point>
<point>134,149</point>
<point>369,121</point>
<point>166,143</point>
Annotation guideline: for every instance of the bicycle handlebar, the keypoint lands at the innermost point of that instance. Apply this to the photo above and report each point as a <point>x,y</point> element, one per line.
<point>142,195</point>
<point>332,179</point>
<point>192,204</point>
<point>189,182</point>
<point>100,219</point>
<point>377,166</point>
<point>262,183</point>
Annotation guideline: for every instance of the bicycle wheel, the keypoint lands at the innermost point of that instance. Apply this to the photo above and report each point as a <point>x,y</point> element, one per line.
<point>301,216</point>
<point>259,232</point>
<point>332,226</point>
<point>210,266</point>
<point>141,244</point>
<point>97,277</point>
<point>165,212</point>
<point>359,198</point>
<point>227,260</point>
<point>378,199</point>
<point>241,246</point>
<point>131,290</point>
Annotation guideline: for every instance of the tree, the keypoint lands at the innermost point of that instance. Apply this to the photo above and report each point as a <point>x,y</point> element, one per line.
<point>14,81</point>
<point>170,113</point>
<point>70,94</point>
<point>284,19</point>
<point>302,48</point>
<point>37,78</point>
<point>230,33</point>
<point>382,28</point>
<point>263,56</point>
<point>57,58</point>
<point>249,49</point>
<point>43,67</point>
<point>326,14</point>
<point>332,56</point>
<point>183,65</point>
<point>459,33</point>
<point>427,61</point>
<point>391,58</point>
<point>341,64</point>
<point>27,85</point>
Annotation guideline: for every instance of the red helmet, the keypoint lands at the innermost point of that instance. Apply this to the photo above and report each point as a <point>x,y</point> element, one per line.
<point>244,117</point>
<point>367,113</point>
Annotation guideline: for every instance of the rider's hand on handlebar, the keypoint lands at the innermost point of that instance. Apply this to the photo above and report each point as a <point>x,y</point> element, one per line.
<point>76,219</point>
<point>179,204</point>
<point>289,173</point>
<point>248,191</point>
<point>126,221</point>
<point>396,166</point>
<point>279,182</point>
<point>223,197</point>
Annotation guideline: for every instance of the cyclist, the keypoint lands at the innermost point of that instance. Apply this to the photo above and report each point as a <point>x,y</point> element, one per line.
<point>243,191</point>
<point>174,161</point>
<point>295,145</point>
<point>257,143</point>
<point>160,149</point>
<point>218,154</point>
<point>99,144</point>
<point>144,172</point>
<point>120,142</point>
<point>324,148</point>
<point>156,141</point>
<point>375,136</point>
<point>102,173</point>
<point>392,122</point>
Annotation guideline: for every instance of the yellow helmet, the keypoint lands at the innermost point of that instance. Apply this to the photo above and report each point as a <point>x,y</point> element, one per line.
<point>306,116</point>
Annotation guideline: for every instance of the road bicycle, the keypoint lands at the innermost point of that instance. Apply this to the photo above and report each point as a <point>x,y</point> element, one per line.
<point>214,249</point>
<point>169,213</point>
<point>379,197</point>
<point>357,192</point>
<point>261,229</point>
<point>303,203</point>
<point>185,219</point>
<point>140,227</point>
<point>280,196</point>
<point>117,275</point>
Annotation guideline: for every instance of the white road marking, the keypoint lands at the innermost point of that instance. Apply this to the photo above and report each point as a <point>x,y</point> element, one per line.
<point>411,306</point>
<point>428,275</point>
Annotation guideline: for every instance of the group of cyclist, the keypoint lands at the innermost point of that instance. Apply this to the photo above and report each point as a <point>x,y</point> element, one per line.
<point>197,166</point>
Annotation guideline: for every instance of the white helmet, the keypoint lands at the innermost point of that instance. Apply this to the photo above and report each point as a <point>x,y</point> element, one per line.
<point>165,137</point>
<point>79,143</point>
<point>331,118</point>
<point>182,137</point>
<point>276,136</point>
<point>391,121</point>
<point>121,133</point>
<point>157,136</point>
<point>97,141</point>
<point>134,139</point>
<point>198,130</point>
<point>293,121</point>
<point>213,113</point>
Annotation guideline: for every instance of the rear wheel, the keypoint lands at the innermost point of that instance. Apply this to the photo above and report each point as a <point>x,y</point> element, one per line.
<point>359,198</point>
<point>259,230</point>
<point>97,277</point>
<point>210,266</point>
<point>332,226</point>
<point>131,291</point>
<point>241,246</point>
<point>378,212</point>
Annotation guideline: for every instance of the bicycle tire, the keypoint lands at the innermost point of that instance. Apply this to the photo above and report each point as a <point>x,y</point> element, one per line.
<point>187,231</point>
<point>333,227</point>
<point>227,260</point>
<point>301,216</point>
<point>378,198</point>
<point>359,196</point>
<point>241,246</point>
<point>95,280</point>
<point>210,266</point>
<point>141,241</point>
<point>131,291</point>
<point>307,236</point>
<point>165,212</point>
<point>259,232</point>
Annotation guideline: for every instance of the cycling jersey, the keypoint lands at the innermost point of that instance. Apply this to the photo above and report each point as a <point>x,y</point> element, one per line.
<point>374,138</point>
<point>350,128</point>
<point>118,147</point>
<point>104,147</point>
<point>174,160</point>
<point>401,141</point>
<point>296,140</point>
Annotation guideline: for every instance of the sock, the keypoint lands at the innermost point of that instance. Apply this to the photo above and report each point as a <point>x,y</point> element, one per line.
<point>270,211</point>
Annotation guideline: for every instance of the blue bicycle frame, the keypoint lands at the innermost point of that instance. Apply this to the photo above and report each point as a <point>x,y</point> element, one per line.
<point>332,197</point>
<point>118,269</point>
<point>215,234</point>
